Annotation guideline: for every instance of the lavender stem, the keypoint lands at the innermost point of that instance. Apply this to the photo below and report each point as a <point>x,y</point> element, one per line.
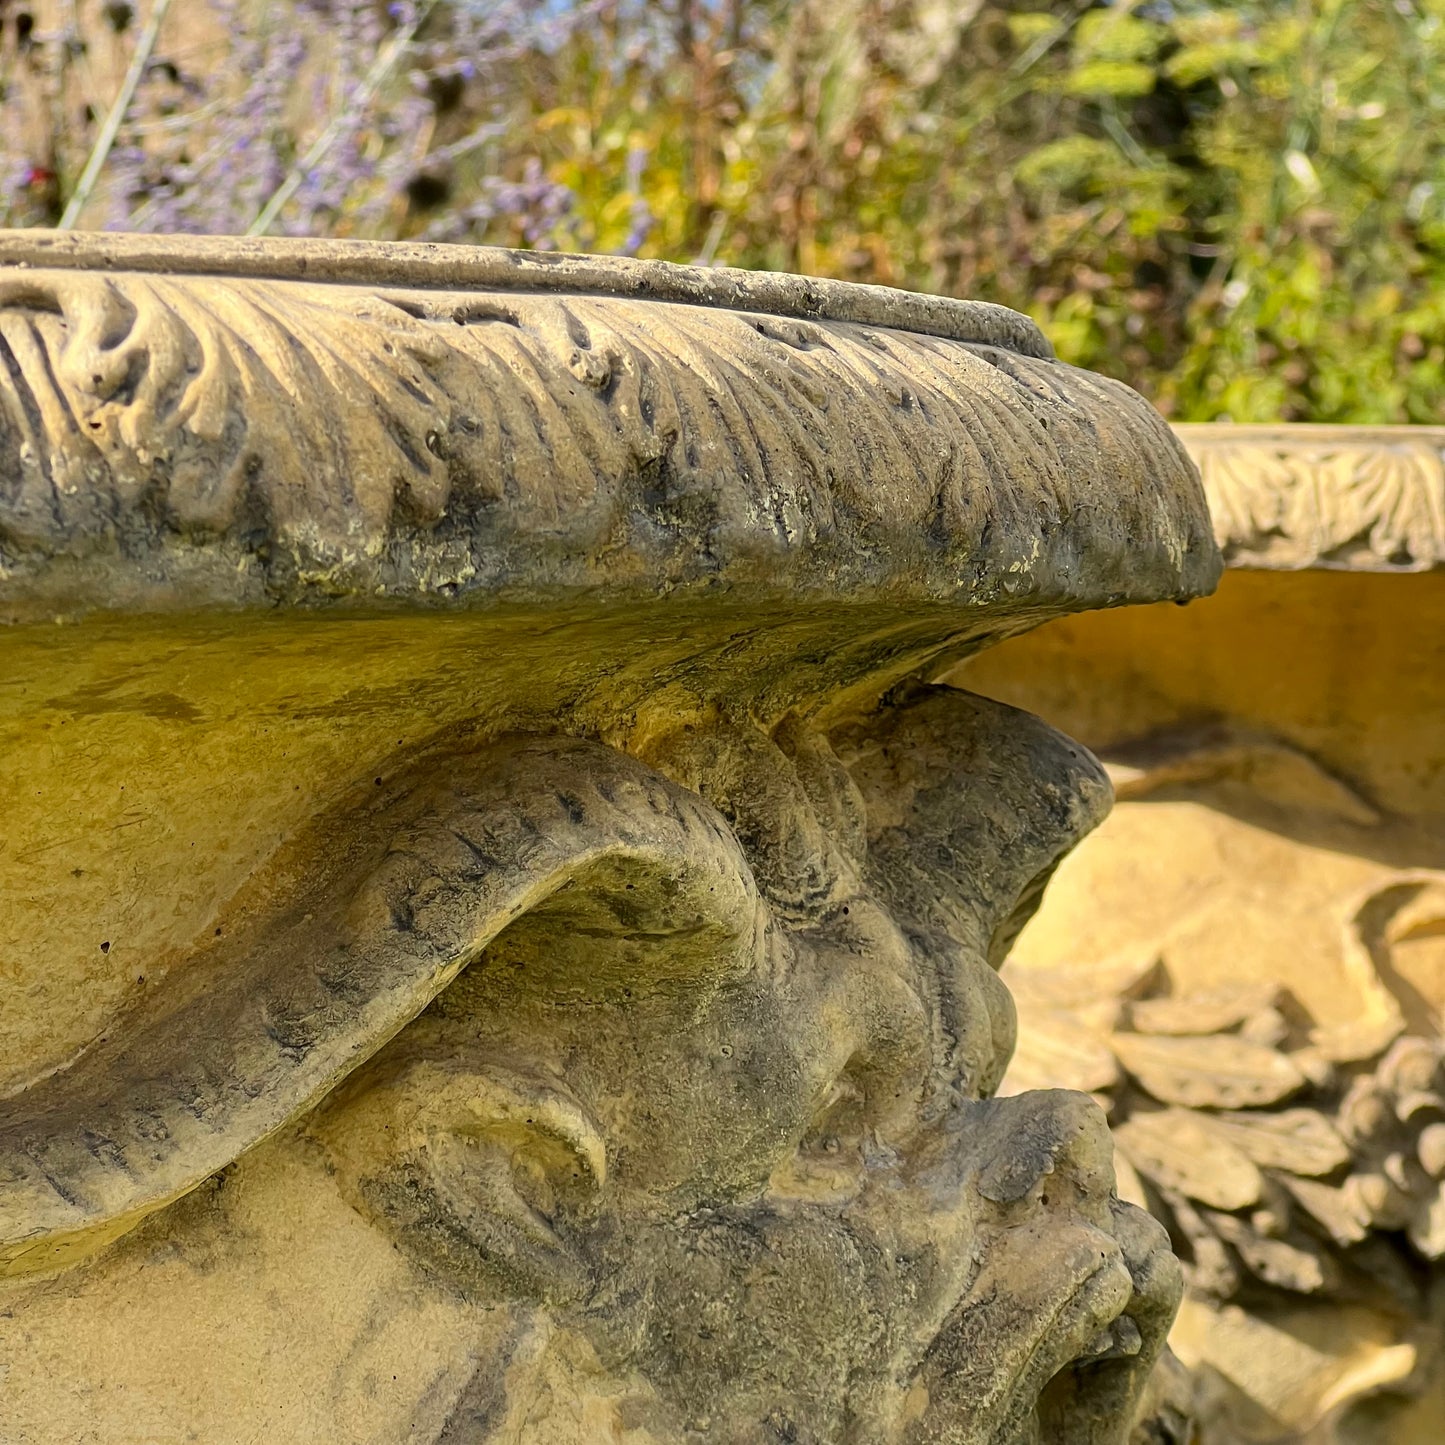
<point>381,67</point>
<point>108,132</point>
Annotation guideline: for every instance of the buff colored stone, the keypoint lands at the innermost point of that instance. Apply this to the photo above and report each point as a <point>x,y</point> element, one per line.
<point>500,922</point>
<point>1278,847</point>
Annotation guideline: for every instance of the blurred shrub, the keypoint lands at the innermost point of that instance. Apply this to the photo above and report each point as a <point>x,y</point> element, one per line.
<point>1239,208</point>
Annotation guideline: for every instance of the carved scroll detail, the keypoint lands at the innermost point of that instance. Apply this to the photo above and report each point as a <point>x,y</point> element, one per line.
<point>266,1021</point>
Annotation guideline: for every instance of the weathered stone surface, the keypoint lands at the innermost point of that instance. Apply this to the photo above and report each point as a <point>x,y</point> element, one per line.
<point>434,422</point>
<point>1269,887</point>
<point>501,929</point>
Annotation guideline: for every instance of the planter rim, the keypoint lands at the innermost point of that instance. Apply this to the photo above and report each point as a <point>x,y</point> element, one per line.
<point>215,422</point>
<point>443,266</point>
<point>1323,496</point>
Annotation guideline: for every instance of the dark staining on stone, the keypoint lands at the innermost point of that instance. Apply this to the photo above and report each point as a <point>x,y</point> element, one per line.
<point>486,861</point>
<point>403,920</point>
<point>56,1180</point>
<point>292,1037</point>
<point>411,385</point>
<point>106,1151</point>
<point>479,312</point>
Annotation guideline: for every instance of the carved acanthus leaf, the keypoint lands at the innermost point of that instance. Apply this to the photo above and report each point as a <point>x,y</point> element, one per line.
<point>1299,1141</point>
<point>1179,1150</point>
<point>1368,498</point>
<point>1276,1149</point>
<point>1213,1071</point>
<point>348,436</point>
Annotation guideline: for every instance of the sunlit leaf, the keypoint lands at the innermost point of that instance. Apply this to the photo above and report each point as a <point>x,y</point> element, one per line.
<point>1110,77</point>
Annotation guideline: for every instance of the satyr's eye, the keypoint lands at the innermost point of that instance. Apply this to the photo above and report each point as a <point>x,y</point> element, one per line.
<point>870,1092</point>
<point>829,1163</point>
<point>865,1111</point>
<point>841,1124</point>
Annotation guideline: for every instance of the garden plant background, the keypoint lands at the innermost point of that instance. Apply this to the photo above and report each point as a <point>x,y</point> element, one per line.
<point>1238,208</point>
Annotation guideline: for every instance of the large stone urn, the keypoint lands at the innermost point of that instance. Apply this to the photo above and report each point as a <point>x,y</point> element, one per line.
<point>499,920</point>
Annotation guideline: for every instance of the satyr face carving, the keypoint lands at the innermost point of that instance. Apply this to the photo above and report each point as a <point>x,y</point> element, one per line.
<point>733,1134</point>
<point>698,1100</point>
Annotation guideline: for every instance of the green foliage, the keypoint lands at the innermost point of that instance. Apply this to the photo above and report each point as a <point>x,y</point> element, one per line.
<point>1237,207</point>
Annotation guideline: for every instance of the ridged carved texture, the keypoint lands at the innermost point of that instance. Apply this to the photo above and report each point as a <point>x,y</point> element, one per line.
<point>231,423</point>
<point>1359,499</point>
<point>90,1157</point>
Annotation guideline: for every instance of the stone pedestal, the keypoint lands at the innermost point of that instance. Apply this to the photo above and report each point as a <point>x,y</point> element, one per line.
<point>1247,962</point>
<point>500,924</point>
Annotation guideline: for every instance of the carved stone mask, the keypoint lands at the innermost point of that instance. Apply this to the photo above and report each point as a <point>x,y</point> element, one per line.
<point>617,1063</point>
<point>710,1099</point>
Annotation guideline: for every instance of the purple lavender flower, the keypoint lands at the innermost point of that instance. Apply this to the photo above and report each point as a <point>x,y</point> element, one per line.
<point>204,148</point>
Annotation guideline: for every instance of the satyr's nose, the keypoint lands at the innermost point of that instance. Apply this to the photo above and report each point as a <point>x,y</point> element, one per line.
<point>1048,1149</point>
<point>1048,1145</point>
<point>1055,1299</point>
